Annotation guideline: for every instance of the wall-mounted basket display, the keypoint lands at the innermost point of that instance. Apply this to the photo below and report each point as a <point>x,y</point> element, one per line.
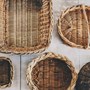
<point>6,72</point>
<point>51,72</point>
<point>83,81</point>
<point>74,26</point>
<point>25,25</point>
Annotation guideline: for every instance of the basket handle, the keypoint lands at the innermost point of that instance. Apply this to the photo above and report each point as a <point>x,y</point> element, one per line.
<point>38,3</point>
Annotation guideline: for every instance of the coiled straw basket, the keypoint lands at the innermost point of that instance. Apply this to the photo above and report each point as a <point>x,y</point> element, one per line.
<point>51,72</point>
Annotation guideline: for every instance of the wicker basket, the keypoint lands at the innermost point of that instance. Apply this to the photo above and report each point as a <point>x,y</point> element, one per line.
<point>74,26</point>
<point>51,72</point>
<point>6,72</point>
<point>25,25</point>
<point>83,81</point>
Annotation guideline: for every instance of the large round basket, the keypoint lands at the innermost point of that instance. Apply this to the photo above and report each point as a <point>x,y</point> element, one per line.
<point>74,26</point>
<point>51,72</point>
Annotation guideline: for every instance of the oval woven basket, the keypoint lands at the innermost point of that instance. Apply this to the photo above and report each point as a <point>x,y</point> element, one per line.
<point>6,72</point>
<point>83,81</point>
<point>74,26</point>
<point>25,25</point>
<point>51,72</point>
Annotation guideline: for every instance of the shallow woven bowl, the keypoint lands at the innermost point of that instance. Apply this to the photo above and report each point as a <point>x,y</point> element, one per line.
<point>25,25</point>
<point>83,81</point>
<point>6,72</point>
<point>51,72</point>
<point>74,26</point>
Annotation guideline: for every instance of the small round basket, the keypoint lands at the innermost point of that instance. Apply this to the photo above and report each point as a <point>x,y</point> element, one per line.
<point>83,81</point>
<point>51,72</point>
<point>6,72</point>
<point>74,26</point>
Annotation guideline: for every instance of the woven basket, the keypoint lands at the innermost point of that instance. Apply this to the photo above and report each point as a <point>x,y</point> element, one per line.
<point>74,26</point>
<point>83,81</point>
<point>25,25</point>
<point>51,72</point>
<point>6,72</point>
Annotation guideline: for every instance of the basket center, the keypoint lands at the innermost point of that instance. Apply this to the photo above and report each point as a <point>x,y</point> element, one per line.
<point>4,72</point>
<point>51,74</point>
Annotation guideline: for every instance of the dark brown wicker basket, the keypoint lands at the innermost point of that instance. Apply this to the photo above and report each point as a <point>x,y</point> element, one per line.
<point>6,72</point>
<point>51,72</point>
<point>83,82</point>
<point>25,25</point>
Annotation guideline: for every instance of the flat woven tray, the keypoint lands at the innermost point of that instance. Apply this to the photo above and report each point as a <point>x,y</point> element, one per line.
<point>25,25</point>
<point>83,81</point>
<point>51,72</point>
<point>6,72</point>
<point>74,26</point>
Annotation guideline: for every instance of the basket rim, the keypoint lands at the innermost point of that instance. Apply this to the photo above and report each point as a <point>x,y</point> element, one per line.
<point>41,49</point>
<point>65,40</point>
<point>11,72</point>
<point>43,57</point>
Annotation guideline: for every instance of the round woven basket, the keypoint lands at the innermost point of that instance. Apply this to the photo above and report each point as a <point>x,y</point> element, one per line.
<point>83,81</point>
<point>51,72</point>
<point>74,26</point>
<point>6,72</point>
<point>25,25</point>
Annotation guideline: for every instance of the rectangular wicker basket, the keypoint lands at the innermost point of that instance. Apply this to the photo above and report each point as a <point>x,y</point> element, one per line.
<point>25,25</point>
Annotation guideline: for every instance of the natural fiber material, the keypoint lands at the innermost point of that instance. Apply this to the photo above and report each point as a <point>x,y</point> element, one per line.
<point>51,72</point>
<point>6,72</point>
<point>83,81</point>
<point>25,25</point>
<point>74,26</point>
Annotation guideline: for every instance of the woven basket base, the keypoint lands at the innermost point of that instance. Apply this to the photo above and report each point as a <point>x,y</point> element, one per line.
<point>74,26</point>
<point>83,82</point>
<point>51,74</point>
<point>4,72</point>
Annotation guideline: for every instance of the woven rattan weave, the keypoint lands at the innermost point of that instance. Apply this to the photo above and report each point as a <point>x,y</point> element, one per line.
<point>83,82</point>
<point>74,26</point>
<point>51,72</point>
<point>6,72</point>
<point>25,25</point>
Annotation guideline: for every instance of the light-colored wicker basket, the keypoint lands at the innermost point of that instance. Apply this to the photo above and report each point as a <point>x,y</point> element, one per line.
<point>6,72</point>
<point>74,26</point>
<point>25,25</point>
<point>47,70</point>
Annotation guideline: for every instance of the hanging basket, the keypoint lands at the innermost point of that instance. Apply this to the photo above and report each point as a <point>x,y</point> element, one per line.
<point>6,72</point>
<point>83,81</point>
<point>51,72</point>
<point>25,25</point>
<point>74,26</point>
